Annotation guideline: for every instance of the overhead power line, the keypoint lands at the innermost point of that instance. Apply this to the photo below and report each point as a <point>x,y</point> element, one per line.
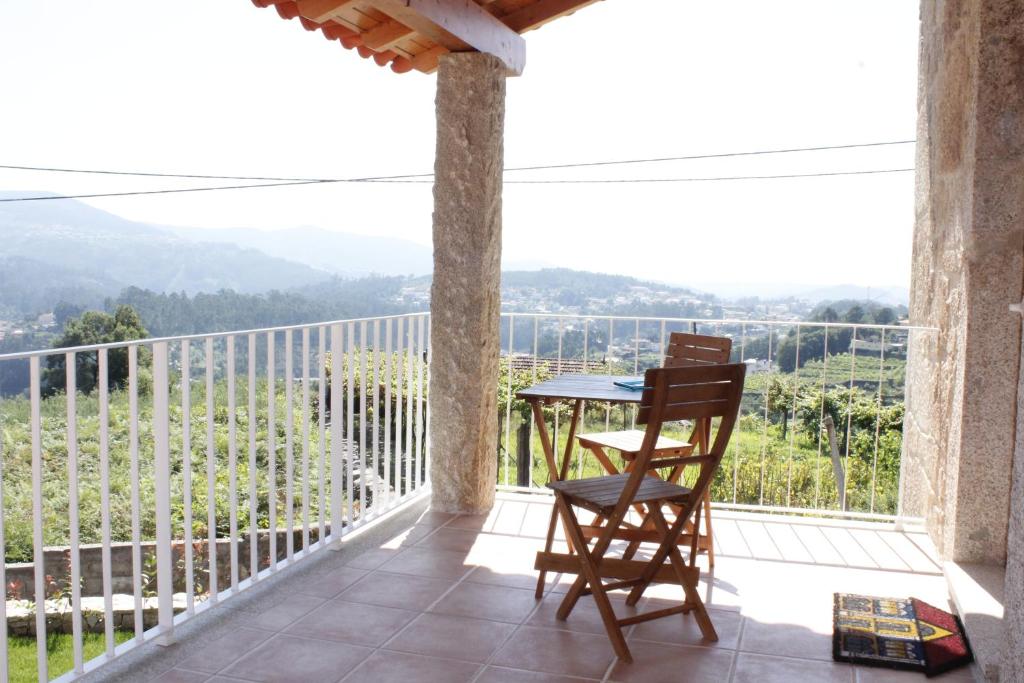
<point>201,176</point>
<point>384,181</point>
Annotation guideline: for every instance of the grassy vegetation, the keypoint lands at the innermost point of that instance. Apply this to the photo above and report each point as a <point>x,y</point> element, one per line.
<point>21,654</point>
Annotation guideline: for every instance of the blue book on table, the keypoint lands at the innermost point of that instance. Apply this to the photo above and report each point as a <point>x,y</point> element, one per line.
<point>631,384</point>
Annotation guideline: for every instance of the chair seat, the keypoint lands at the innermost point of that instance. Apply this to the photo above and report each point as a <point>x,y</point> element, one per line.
<point>600,494</point>
<point>630,441</point>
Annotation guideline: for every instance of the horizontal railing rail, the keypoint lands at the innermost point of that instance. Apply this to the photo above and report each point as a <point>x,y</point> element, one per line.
<point>220,458</point>
<point>820,428</point>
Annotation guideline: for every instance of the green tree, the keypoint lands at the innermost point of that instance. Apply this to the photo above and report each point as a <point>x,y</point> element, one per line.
<point>885,316</point>
<point>855,314</point>
<point>95,327</point>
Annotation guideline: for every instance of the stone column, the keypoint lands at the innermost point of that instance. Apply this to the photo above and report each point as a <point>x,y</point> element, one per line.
<point>465,297</point>
<point>1013,585</point>
<point>968,267</point>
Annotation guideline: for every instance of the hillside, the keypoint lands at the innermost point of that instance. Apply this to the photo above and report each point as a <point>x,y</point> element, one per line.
<point>340,253</point>
<point>75,250</point>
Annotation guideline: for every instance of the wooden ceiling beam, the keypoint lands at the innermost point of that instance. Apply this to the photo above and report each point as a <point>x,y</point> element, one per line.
<point>459,26</point>
<point>384,36</point>
<point>322,10</point>
<point>539,13</point>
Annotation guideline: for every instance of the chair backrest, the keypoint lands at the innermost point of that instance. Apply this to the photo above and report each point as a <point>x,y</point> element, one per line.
<point>696,392</point>
<point>686,349</point>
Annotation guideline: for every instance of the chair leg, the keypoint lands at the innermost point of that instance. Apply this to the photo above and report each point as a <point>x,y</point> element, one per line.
<point>707,526</point>
<point>593,579</point>
<point>541,579</point>
<point>707,629</point>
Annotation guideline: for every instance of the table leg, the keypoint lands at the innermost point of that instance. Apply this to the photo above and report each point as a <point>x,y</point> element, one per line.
<point>555,473</point>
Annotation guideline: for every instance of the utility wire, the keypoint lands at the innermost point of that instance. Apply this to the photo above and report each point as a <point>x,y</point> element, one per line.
<point>383,181</point>
<point>427,175</point>
<point>595,181</point>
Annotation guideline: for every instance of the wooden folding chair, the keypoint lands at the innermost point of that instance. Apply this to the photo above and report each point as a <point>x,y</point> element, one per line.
<point>684,350</point>
<point>671,394</point>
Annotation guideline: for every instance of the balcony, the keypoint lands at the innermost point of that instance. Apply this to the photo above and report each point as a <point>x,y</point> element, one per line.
<point>316,464</point>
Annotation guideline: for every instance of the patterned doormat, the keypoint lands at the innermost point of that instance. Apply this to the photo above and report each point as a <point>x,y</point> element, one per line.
<point>899,633</point>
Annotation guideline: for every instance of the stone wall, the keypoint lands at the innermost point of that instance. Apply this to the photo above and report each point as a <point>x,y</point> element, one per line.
<point>968,267</point>
<point>55,564</point>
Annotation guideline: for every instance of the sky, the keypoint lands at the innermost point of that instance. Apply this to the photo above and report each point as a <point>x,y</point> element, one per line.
<point>221,87</point>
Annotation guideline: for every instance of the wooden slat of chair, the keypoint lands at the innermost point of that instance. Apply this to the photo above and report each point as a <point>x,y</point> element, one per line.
<point>612,497</point>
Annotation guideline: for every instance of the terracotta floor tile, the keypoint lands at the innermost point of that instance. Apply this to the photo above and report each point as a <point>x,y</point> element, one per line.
<point>287,611</point>
<point>865,674</point>
<point>462,638</point>
<point>328,584</point>
<point>660,663</point>
<point>408,537</point>
<point>402,591</point>
<point>498,674</point>
<point>384,666</point>
<point>434,518</point>
<point>286,659</point>
<point>787,640</point>
<point>521,578</point>
<point>448,538</point>
<point>371,559</point>
<point>751,668</point>
<point>438,564</point>
<point>352,622</point>
<point>482,522</point>
<point>556,652</point>
<point>682,629</point>
<point>181,676</point>
<point>487,602</point>
<point>584,617</point>
<point>222,651</point>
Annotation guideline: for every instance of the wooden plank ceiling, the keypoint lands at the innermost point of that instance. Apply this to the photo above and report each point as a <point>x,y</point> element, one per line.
<point>411,35</point>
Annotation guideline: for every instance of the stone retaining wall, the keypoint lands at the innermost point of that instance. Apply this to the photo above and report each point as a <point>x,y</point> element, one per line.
<point>55,564</point>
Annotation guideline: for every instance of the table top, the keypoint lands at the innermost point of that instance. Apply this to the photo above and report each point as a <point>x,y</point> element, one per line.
<point>584,387</point>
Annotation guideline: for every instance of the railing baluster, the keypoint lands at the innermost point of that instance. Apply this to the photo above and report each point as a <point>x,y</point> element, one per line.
<point>133,441</point>
<point>508,395</point>
<point>420,381</point>
<point>821,420</point>
<point>186,474</point>
<point>232,461</point>
<point>363,385</point>
<point>38,557</point>
<point>350,421</point>
<point>792,426</point>
<point>71,432</point>
<point>428,359</point>
<point>211,474</point>
<point>321,427</point>
<point>102,377</point>
<point>736,447</point>
<point>162,484</point>
<point>272,450</point>
<point>764,431</point>
<point>251,418</point>
<point>289,445</point>
<point>305,439</point>
<point>878,418</point>
<point>401,482</point>
<point>388,484</point>
<point>337,488</point>
<point>849,419</point>
<point>411,361</point>
<point>375,401</point>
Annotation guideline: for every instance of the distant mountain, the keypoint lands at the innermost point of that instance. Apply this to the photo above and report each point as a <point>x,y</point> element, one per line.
<point>341,253</point>
<point>75,246</point>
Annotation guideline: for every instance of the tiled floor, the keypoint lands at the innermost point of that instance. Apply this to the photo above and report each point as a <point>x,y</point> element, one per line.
<point>450,600</point>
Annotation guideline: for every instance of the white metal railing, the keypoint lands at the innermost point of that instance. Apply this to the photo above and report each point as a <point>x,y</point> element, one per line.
<point>197,422</point>
<point>783,456</point>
